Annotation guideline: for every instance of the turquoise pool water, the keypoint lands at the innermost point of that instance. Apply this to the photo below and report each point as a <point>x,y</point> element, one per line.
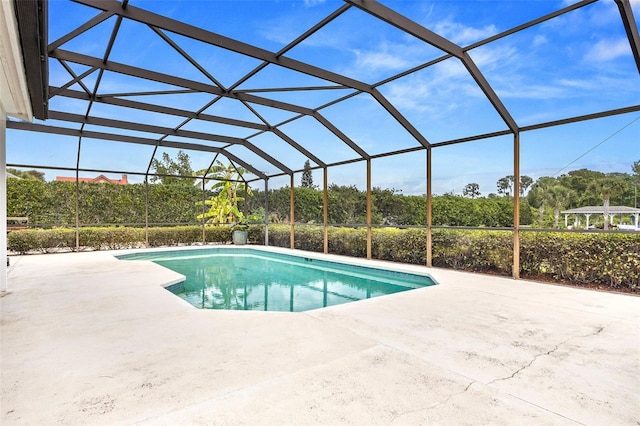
<point>246,279</point>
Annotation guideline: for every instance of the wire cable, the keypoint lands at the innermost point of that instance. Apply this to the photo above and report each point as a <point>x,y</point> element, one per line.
<point>598,144</point>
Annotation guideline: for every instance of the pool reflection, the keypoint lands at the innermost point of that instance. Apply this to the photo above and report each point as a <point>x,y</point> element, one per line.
<point>257,282</point>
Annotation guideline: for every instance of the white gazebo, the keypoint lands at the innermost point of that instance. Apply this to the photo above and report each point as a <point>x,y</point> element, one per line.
<point>612,211</point>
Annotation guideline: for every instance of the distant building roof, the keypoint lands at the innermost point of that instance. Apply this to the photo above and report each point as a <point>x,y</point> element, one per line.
<point>98,179</point>
<point>600,210</point>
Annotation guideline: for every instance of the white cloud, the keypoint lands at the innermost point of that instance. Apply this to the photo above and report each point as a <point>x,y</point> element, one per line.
<point>462,34</point>
<point>411,94</point>
<point>382,59</point>
<point>281,30</point>
<point>530,91</point>
<point>434,92</point>
<point>311,3</point>
<point>539,40</point>
<point>607,50</point>
<point>578,84</point>
<point>379,60</point>
<point>489,57</point>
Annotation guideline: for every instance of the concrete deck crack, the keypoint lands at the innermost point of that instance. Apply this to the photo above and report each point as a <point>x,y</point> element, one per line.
<point>451,396</point>
<point>549,352</point>
<point>430,407</point>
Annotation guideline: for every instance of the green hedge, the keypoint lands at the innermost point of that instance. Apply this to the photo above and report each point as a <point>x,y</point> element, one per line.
<point>114,238</point>
<point>399,245</point>
<point>611,260</point>
<point>345,241</point>
<point>607,259</point>
<point>41,240</point>
<point>604,259</point>
<point>474,250</point>
<point>64,239</point>
<point>54,203</point>
<point>348,240</point>
<point>307,237</point>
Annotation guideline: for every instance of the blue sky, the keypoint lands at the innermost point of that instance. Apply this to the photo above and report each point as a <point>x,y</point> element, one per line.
<point>577,64</point>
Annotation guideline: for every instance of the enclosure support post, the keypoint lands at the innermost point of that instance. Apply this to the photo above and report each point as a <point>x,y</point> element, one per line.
<point>204,219</point>
<point>245,206</point>
<point>368,208</point>
<point>429,211</point>
<point>325,214</point>
<point>292,218</point>
<point>3,200</point>
<point>78,194</point>
<point>266,211</point>
<point>516,205</point>
<point>78,207</point>
<point>146,210</point>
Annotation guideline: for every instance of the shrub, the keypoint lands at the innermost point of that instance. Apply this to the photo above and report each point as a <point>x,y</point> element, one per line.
<point>256,234</point>
<point>348,241</point>
<point>174,235</point>
<point>309,238</point>
<point>110,238</point>
<point>399,245</point>
<point>606,259</point>
<point>41,240</point>
<point>278,236</point>
<point>473,250</point>
<point>612,260</point>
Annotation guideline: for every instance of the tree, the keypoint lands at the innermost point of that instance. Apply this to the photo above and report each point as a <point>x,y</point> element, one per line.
<point>168,171</point>
<point>26,174</point>
<point>537,196</point>
<point>223,206</point>
<point>307,176</point>
<point>578,181</point>
<point>471,190</point>
<point>525,183</point>
<point>347,205</point>
<point>558,197</point>
<point>308,208</point>
<point>606,188</point>
<point>636,168</point>
<point>505,185</point>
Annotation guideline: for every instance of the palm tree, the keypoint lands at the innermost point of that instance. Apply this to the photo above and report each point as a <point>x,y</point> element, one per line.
<point>558,197</point>
<point>606,188</point>
<point>537,195</point>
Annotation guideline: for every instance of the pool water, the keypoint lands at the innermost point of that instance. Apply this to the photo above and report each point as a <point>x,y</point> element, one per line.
<point>246,279</point>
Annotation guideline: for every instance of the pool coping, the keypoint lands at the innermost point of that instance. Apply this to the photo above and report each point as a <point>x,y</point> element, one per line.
<point>356,261</point>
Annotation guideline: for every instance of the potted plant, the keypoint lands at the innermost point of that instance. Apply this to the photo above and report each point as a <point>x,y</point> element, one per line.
<point>223,206</point>
<point>240,234</point>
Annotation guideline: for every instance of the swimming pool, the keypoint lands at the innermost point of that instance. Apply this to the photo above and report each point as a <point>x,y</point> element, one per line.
<point>251,279</point>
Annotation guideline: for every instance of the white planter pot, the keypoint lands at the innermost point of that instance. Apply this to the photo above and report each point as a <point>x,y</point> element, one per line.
<point>240,237</point>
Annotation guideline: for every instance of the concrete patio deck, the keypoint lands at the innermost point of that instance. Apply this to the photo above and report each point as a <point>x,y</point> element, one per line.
<point>88,339</point>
